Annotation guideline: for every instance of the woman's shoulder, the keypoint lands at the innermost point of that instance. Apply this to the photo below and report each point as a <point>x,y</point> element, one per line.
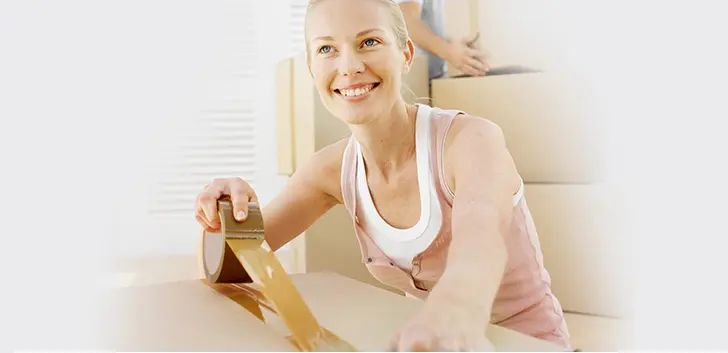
<point>476,142</point>
<point>465,124</point>
<point>465,131</point>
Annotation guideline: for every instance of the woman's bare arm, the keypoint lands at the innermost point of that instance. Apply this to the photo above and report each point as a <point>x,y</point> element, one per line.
<point>312,190</point>
<point>484,179</point>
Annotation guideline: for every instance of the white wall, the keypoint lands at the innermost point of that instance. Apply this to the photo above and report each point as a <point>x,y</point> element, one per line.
<point>137,73</point>
<point>91,93</point>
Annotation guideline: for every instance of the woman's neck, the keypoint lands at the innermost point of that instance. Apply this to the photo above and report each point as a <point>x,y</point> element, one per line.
<point>388,142</point>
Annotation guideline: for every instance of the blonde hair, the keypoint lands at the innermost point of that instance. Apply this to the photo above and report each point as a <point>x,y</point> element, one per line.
<point>399,26</point>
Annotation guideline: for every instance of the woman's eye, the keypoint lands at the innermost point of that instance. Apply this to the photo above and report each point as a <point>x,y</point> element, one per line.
<point>325,49</point>
<point>370,42</point>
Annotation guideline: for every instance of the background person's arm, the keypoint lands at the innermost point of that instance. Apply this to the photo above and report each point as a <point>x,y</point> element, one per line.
<point>420,32</point>
<point>456,53</point>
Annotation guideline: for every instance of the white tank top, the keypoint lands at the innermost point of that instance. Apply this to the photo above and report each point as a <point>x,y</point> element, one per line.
<point>402,245</point>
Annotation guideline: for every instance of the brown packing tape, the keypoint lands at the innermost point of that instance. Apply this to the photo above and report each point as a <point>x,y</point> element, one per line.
<point>248,299</point>
<point>255,301</point>
<point>237,256</point>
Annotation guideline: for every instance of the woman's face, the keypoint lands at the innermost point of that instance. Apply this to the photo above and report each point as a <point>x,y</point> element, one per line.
<point>355,61</point>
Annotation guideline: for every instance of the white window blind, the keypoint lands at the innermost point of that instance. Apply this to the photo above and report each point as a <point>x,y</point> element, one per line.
<point>219,143</point>
<point>197,73</point>
<point>218,140</point>
<point>296,26</point>
<point>213,66</point>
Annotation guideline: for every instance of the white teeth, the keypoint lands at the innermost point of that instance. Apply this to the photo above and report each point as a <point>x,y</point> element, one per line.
<point>357,91</point>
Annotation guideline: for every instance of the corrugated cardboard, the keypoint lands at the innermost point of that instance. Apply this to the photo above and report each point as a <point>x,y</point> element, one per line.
<point>581,231</point>
<point>189,316</point>
<point>552,125</point>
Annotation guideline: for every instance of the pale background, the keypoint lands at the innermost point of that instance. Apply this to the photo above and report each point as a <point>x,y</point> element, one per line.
<point>92,93</point>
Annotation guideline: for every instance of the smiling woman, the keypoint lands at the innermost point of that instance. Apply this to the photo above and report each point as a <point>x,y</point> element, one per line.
<point>434,195</point>
<point>374,54</point>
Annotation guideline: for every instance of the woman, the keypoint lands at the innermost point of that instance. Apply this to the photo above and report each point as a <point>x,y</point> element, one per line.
<point>435,197</point>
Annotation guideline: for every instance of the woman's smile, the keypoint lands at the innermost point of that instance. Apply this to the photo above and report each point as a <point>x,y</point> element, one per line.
<point>358,92</point>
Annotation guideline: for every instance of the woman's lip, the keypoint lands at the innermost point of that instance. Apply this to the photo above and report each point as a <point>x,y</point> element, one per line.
<point>356,98</point>
<point>358,85</point>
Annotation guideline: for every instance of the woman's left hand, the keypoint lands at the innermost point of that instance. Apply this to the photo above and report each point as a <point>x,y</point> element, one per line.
<point>445,328</point>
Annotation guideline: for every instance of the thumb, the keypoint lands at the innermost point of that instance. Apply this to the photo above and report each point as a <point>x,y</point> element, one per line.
<point>471,39</point>
<point>240,209</point>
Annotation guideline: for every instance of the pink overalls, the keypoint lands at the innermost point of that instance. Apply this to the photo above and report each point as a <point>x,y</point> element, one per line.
<point>524,301</point>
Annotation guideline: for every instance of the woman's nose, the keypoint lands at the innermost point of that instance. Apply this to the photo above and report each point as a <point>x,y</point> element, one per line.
<point>350,63</point>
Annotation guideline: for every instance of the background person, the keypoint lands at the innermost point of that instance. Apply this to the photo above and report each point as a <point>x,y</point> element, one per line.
<point>426,26</point>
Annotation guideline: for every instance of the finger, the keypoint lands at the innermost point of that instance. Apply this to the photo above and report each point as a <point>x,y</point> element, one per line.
<point>481,57</point>
<point>203,218</point>
<point>207,227</point>
<point>240,194</point>
<point>415,344</point>
<point>207,201</point>
<point>471,39</point>
<point>477,64</point>
<point>213,223</point>
<point>475,53</point>
<point>484,61</point>
<point>469,70</point>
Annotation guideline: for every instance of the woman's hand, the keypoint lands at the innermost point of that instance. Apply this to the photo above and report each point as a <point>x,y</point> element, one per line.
<point>443,326</point>
<point>240,194</point>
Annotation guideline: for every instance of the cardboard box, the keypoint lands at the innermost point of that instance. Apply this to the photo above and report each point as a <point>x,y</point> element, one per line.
<point>582,233</point>
<point>591,333</point>
<point>304,126</point>
<point>189,316</point>
<point>552,123</point>
<point>514,32</point>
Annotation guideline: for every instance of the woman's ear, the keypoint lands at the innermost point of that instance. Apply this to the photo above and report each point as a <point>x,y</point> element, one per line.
<point>409,55</point>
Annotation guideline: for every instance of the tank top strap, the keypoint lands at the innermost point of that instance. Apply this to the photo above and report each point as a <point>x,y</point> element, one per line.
<point>440,121</point>
<point>348,173</point>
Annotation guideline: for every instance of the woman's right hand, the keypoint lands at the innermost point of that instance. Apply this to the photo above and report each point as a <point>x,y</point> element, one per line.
<point>240,194</point>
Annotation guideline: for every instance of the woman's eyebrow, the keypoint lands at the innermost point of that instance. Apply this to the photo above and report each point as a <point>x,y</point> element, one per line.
<point>324,38</point>
<point>367,31</point>
<point>362,33</point>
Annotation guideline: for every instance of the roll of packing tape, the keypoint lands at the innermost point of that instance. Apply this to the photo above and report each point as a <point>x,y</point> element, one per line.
<point>236,255</point>
<point>220,263</point>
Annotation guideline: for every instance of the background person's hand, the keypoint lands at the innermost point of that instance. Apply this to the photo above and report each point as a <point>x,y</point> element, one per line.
<point>467,59</point>
<point>240,194</point>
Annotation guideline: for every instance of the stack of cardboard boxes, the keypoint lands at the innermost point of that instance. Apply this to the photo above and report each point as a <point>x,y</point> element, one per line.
<point>555,133</point>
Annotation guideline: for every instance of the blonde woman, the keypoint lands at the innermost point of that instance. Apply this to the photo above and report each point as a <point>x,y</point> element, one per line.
<point>434,195</point>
